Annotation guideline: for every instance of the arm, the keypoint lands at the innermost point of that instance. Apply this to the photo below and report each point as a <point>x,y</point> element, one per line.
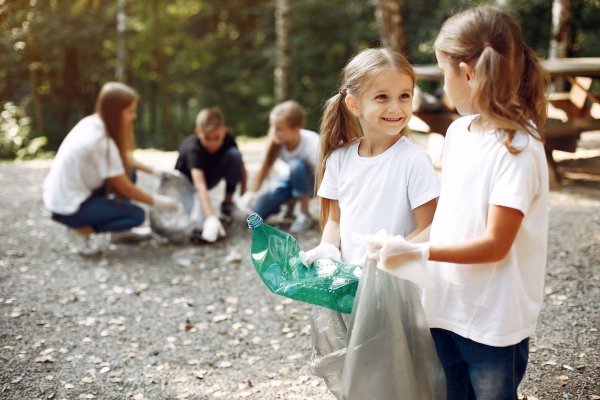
<point>124,187</point>
<point>139,165</point>
<point>199,182</point>
<point>331,230</point>
<point>503,223</point>
<point>423,217</point>
<point>244,183</point>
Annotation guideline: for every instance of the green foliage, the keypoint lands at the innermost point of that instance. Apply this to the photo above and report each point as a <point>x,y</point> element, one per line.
<point>183,55</point>
<point>15,129</point>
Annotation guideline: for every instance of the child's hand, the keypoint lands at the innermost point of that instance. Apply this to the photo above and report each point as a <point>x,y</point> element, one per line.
<point>371,243</point>
<point>246,202</point>
<point>391,250</point>
<point>212,228</point>
<point>166,203</point>
<point>323,250</point>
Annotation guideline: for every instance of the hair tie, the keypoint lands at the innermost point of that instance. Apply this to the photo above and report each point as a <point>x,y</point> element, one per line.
<point>486,45</point>
<point>343,92</point>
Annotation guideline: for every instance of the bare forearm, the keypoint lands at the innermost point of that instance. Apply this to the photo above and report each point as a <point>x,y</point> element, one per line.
<point>204,199</point>
<point>475,251</point>
<point>124,187</point>
<point>331,233</point>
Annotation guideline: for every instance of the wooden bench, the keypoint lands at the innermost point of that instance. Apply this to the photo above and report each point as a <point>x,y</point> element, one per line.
<point>563,134</point>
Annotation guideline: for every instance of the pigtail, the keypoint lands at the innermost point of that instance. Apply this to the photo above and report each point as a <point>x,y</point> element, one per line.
<point>338,128</point>
<point>532,91</point>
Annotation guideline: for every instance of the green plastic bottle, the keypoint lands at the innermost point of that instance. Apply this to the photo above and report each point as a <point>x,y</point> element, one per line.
<point>275,255</point>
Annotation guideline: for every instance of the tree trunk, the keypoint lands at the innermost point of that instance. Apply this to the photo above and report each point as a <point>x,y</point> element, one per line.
<point>390,23</point>
<point>121,55</point>
<point>282,58</point>
<point>162,132</point>
<point>34,79</point>
<point>559,42</point>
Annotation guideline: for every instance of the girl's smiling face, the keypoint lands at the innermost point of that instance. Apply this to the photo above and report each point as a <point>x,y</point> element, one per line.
<point>385,106</point>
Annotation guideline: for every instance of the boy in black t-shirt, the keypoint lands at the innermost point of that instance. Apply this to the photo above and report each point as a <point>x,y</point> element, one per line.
<point>207,156</point>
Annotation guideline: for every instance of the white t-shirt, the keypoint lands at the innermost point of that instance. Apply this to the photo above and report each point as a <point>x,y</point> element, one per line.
<point>378,192</point>
<point>496,304</point>
<point>85,159</point>
<point>307,150</point>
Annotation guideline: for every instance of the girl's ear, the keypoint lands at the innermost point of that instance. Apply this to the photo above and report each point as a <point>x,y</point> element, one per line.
<point>467,69</point>
<point>352,104</point>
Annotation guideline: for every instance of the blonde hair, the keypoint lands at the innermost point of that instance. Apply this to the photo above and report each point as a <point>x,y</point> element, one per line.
<point>509,84</point>
<point>114,97</point>
<point>209,119</point>
<point>339,127</point>
<point>293,114</point>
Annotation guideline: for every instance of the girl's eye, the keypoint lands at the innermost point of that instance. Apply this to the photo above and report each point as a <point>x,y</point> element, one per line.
<point>405,96</point>
<point>381,97</point>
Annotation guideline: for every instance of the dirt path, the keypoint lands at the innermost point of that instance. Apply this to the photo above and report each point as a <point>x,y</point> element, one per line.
<point>157,321</point>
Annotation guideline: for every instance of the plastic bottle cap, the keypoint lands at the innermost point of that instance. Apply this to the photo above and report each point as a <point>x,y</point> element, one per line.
<point>254,220</point>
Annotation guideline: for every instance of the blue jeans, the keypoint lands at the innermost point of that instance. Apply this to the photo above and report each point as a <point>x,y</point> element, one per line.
<point>478,371</point>
<point>104,214</point>
<point>300,183</point>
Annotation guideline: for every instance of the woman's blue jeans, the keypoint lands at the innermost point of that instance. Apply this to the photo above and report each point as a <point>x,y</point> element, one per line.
<point>478,371</point>
<point>104,214</point>
<point>300,183</point>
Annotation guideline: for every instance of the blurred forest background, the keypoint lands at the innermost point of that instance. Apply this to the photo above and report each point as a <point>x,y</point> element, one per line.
<point>241,55</point>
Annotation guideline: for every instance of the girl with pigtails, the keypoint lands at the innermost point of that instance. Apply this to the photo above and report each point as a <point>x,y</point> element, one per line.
<point>487,243</point>
<point>371,177</point>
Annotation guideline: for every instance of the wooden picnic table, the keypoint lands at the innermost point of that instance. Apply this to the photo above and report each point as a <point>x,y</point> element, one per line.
<point>559,134</point>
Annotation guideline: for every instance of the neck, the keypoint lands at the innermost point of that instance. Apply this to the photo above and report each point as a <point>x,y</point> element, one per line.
<point>371,147</point>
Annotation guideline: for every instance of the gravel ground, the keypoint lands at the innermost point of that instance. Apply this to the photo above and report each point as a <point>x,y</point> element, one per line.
<point>158,321</point>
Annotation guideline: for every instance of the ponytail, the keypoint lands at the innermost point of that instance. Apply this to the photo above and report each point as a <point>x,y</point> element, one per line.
<point>339,127</point>
<point>509,83</point>
<point>534,84</point>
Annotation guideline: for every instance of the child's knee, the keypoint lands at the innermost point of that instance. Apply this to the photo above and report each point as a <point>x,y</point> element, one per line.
<point>233,157</point>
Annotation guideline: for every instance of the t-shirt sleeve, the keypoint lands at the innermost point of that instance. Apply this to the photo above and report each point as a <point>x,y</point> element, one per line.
<point>329,186</point>
<point>423,182</point>
<point>515,181</point>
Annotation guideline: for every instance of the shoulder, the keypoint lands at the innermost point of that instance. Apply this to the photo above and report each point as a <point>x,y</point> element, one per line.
<point>461,124</point>
<point>308,134</point>
<point>229,139</point>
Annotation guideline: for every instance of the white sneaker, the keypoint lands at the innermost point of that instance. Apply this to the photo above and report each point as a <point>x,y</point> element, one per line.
<point>133,235</point>
<point>83,244</point>
<point>303,221</point>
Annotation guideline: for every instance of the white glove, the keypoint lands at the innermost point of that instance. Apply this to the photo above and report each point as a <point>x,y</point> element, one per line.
<point>397,256</point>
<point>212,228</point>
<point>323,250</point>
<point>247,200</point>
<point>391,250</point>
<point>166,203</point>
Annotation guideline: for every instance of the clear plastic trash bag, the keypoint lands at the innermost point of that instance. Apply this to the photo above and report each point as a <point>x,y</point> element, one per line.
<point>177,226</point>
<point>388,354</point>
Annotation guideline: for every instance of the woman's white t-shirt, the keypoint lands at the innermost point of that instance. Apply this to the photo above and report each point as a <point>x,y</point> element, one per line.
<point>378,192</point>
<point>496,304</point>
<point>85,159</point>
